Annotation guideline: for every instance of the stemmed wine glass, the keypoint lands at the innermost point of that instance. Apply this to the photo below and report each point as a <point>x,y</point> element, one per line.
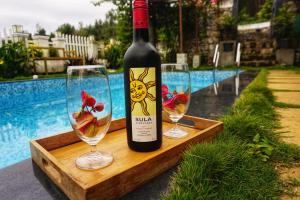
<point>176,92</point>
<point>89,110</point>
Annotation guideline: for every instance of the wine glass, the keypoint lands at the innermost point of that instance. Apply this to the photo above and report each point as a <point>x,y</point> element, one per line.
<point>89,110</point>
<point>176,92</point>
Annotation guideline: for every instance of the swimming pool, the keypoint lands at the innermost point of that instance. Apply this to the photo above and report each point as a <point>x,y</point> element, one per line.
<point>37,108</point>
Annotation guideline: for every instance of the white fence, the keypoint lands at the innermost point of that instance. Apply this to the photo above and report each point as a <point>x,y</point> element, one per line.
<point>83,46</point>
<point>74,46</point>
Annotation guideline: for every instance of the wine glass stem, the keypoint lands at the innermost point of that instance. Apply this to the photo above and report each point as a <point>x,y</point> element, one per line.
<point>176,126</point>
<point>94,148</point>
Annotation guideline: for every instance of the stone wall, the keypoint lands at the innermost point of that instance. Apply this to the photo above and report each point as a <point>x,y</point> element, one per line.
<point>213,35</point>
<point>257,45</point>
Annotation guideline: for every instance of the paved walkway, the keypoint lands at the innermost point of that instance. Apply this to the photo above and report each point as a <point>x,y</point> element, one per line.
<point>286,89</point>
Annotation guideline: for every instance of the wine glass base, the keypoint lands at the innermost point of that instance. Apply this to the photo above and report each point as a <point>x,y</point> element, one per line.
<point>94,160</point>
<point>175,133</point>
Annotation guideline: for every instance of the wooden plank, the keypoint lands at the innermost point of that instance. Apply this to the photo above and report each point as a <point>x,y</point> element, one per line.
<point>46,67</point>
<point>48,48</point>
<point>56,155</point>
<point>59,58</point>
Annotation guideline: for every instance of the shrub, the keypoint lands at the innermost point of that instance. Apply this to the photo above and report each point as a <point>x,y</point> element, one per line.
<point>33,52</point>
<point>14,60</point>
<point>53,52</point>
<point>265,12</point>
<point>283,22</point>
<point>227,21</point>
<point>296,26</point>
<point>113,55</point>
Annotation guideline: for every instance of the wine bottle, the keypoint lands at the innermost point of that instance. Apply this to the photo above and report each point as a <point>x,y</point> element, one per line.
<point>142,80</point>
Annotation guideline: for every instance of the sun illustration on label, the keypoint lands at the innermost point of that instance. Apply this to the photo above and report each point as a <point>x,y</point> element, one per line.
<point>139,91</point>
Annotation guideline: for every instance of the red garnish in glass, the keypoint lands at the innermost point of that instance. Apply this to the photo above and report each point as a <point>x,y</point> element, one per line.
<point>176,99</point>
<point>87,100</point>
<point>86,122</point>
<point>99,107</point>
<point>170,103</point>
<point>181,98</point>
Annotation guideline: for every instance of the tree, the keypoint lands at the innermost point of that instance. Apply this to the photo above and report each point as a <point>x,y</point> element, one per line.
<point>122,15</point>
<point>52,35</point>
<point>42,31</point>
<point>14,60</point>
<point>66,29</point>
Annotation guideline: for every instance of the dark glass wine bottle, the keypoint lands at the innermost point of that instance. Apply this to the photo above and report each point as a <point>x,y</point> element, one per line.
<point>142,80</point>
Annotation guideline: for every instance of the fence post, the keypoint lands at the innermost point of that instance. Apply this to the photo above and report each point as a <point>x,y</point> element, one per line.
<point>92,48</point>
<point>46,67</point>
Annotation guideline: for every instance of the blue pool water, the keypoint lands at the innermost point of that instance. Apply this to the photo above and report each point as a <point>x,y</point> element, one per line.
<point>37,108</point>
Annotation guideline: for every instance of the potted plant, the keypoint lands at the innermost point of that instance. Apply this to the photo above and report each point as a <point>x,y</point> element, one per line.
<point>228,26</point>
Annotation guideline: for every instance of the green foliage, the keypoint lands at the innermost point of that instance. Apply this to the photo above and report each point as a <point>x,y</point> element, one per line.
<point>52,35</point>
<point>265,12</point>
<point>14,60</point>
<point>66,29</point>
<point>167,35</point>
<point>223,170</point>
<point>260,148</point>
<point>53,52</point>
<point>42,31</point>
<point>244,17</point>
<point>283,22</point>
<point>123,28</point>
<point>33,52</point>
<point>238,164</point>
<point>164,24</point>
<point>296,26</point>
<point>101,30</point>
<point>286,105</point>
<point>286,153</point>
<point>246,7</point>
<point>227,21</point>
<point>245,126</point>
<point>113,54</point>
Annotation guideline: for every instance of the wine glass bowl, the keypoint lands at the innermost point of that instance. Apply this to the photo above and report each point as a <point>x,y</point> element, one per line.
<point>89,110</point>
<point>176,89</point>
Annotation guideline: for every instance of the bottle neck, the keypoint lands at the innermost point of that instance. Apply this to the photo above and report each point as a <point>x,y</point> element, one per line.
<point>141,34</point>
<point>140,21</point>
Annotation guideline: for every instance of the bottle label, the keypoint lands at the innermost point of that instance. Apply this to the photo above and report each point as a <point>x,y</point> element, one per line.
<point>140,14</point>
<point>143,104</point>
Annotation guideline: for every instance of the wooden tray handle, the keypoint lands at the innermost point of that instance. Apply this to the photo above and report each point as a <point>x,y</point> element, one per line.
<point>191,121</point>
<point>52,170</point>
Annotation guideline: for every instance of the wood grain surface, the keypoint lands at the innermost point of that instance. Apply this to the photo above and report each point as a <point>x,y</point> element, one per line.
<point>56,155</point>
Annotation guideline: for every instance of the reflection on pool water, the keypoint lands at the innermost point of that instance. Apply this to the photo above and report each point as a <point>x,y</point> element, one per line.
<point>37,108</point>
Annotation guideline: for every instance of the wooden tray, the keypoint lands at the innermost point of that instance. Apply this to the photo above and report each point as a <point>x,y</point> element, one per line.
<point>55,155</point>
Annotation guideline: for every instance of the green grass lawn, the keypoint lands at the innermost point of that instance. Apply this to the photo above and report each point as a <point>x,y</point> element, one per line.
<point>240,162</point>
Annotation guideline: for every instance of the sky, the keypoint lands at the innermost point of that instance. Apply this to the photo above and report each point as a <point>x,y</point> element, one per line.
<point>49,14</point>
